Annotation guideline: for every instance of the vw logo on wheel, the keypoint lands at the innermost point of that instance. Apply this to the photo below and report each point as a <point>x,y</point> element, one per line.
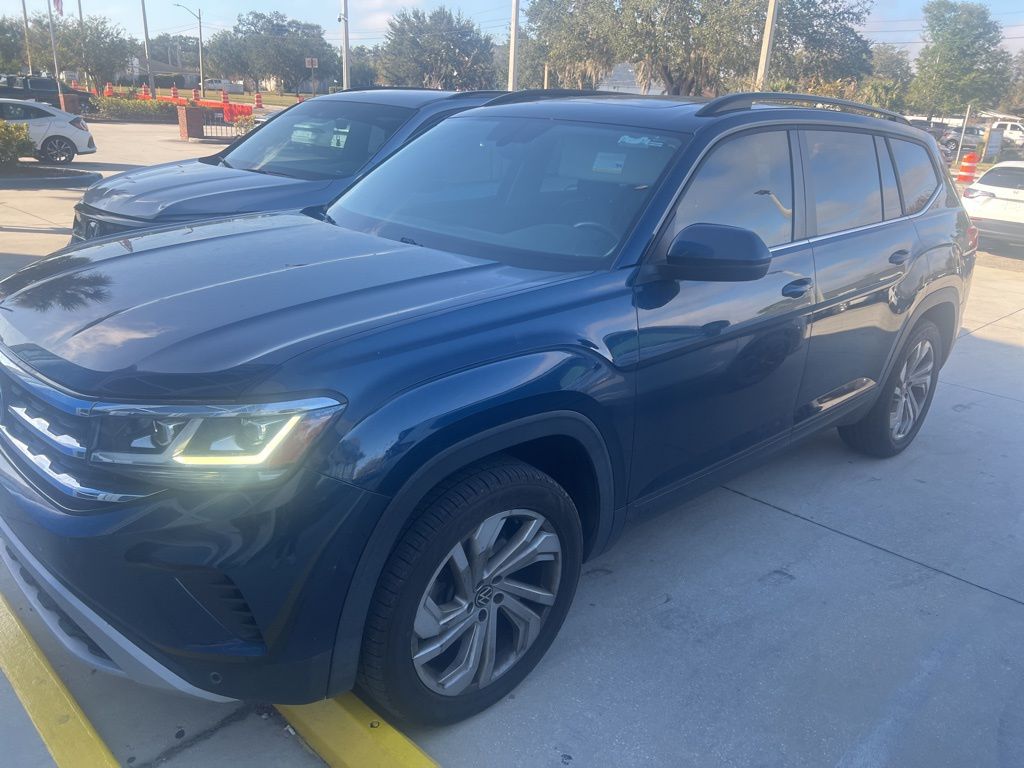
<point>483,595</point>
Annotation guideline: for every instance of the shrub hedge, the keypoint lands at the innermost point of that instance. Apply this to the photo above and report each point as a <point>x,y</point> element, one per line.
<point>136,110</point>
<point>14,143</point>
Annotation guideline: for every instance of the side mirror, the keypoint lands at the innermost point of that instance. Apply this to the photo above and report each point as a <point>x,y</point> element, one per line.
<point>717,253</point>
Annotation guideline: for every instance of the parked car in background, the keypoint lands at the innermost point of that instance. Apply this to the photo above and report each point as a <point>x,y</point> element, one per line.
<point>305,156</point>
<point>270,456</point>
<point>214,84</point>
<point>42,89</point>
<point>973,138</point>
<point>59,136</point>
<point>1013,131</point>
<point>935,130</point>
<point>995,202</point>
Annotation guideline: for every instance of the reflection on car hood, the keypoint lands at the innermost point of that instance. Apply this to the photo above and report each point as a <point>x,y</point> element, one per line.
<point>224,301</point>
<point>197,189</point>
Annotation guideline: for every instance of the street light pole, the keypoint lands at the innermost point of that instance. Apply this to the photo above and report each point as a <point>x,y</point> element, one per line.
<point>149,61</point>
<point>513,34</point>
<point>202,73</point>
<point>345,53</point>
<point>766,44</point>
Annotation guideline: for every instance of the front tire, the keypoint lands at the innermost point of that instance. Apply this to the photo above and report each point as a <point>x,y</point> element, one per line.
<point>473,594</point>
<point>57,150</point>
<point>896,418</point>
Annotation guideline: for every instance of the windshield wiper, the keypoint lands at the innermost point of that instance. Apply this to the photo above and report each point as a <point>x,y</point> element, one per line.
<point>226,164</point>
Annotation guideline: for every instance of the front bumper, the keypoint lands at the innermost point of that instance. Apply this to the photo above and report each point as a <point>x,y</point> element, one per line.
<point>225,594</point>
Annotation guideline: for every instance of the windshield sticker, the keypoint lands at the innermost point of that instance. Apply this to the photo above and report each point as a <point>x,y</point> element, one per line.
<point>640,141</point>
<point>609,162</point>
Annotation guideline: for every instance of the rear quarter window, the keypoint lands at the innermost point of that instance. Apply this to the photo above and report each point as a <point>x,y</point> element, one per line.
<point>917,174</point>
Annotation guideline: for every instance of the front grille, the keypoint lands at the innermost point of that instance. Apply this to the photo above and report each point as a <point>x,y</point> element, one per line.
<point>87,227</point>
<point>49,434</point>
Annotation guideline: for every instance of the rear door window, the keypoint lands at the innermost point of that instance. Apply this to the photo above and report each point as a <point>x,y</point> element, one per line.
<point>843,180</point>
<point>745,182</point>
<point>917,174</point>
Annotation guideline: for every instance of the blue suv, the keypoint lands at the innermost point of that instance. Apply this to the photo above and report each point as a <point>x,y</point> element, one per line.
<point>281,455</point>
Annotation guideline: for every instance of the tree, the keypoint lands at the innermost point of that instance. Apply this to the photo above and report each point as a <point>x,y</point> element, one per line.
<point>1013,102</point>
<point>12,44</point>
<point>363,65</point>
<point>100,49</point>
<point>890,78</point>
<point>227,56</point>
<point>177,50</point>
<point>818,40</point>
<point>962,61</point>
<point>436,50</point>
<point>531,57</point>
<point>578,37</point>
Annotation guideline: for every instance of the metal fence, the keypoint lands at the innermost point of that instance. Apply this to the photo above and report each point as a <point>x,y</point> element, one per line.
<point>214,126</point>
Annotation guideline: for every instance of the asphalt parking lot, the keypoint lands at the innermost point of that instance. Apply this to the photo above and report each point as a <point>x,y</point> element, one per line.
<point>825,609</point>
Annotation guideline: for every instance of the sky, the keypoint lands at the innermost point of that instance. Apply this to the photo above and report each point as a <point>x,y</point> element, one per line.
<point>896,21</point>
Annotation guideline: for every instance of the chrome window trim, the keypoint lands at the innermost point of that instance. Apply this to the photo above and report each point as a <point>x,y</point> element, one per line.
<point>905,217</point>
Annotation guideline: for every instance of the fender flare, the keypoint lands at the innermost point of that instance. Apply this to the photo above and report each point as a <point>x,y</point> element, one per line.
<point>945,295</point>
<point>399,511</point>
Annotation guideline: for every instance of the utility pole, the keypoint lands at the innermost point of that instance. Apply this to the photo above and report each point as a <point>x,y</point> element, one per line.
<point>343,18</point>
<point>28,48</point>
<point>545,75</point>
<point>149,65</point>
<point>766,44</point>
<point>513,34</point>
<point>53,45</point>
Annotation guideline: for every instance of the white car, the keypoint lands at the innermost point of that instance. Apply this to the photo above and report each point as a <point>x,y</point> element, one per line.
<point>1013,131</point>
<point>58,135</point>
<point>995,202</point>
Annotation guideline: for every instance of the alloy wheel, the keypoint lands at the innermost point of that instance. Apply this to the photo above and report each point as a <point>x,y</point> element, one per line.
<point>911,392</point>
<point>486,602</point>
<point>59,150</point>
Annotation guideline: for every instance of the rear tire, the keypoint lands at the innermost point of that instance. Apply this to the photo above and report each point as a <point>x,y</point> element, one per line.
<point>897,416</point>
<point>57,150</point>
<point>486,573</point>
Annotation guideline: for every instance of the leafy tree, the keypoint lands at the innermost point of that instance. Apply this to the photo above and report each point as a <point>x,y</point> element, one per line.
<point>1014,100</point>
<point>578,36</point>
<point>176,50</point>
<point>12,44</point>
<point>818,40</point>
<point>890,78</point>
<point>530,65</point>
<point>436,50</point>
<point>363,65</point>
<point>961,62</point>
<point>227,56</point>
<point>101,49</point>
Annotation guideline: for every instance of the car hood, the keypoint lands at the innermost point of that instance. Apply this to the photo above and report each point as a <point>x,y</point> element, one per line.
<point>198,189</point>
<point>217,306</point>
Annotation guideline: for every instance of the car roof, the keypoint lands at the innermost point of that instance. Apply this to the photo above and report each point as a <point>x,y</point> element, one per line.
<point>691,114</point>
<point>413,98</point>
<point>33,103</point>
<point>1008,164</point>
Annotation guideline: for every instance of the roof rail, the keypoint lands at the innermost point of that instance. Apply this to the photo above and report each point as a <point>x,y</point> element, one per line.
<point>537,94</point>
<point>737,102</point>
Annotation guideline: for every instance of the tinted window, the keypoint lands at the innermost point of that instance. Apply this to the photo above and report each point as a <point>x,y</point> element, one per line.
<point>917,174</point>
<point>842,173</point>
<point>22,112</point>
<point>43,85</point>
<point>890,190</point>
<point>551,192</point>
<point>1008,178</point>
<point>744,182</point>
<point>319,139</point>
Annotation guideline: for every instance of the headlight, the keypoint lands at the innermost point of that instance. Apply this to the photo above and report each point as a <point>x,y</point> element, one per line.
<point>210,443</point>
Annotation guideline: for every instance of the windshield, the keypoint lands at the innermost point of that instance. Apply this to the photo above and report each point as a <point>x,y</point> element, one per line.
<point>549,190</point>
<point>319,139</point>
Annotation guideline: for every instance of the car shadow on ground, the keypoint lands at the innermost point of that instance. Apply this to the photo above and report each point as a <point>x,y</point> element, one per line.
<point>101,167</point>
<point>54,230</point>
<point>998,248</point>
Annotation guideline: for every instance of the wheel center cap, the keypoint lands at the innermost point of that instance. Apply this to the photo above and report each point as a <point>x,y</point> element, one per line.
<point>483,595</point>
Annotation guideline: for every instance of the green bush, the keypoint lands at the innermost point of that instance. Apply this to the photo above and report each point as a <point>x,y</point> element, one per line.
<point>14,143</point>
<point>133,109</point>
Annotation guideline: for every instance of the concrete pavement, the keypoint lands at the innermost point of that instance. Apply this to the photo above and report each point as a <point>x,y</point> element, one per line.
<point>824,609</point>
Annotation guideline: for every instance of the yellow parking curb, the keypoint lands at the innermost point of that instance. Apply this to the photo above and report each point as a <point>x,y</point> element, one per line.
<point>346,733</point>
<point>63,727</point>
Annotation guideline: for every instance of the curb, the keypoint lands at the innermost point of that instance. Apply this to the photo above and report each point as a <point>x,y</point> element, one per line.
<point>74,180</point>
<point>346,733</point>
<point>65,730</point>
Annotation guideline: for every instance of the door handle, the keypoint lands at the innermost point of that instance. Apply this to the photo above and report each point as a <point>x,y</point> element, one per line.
<point>902,256</point>
<point>797,288</point>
